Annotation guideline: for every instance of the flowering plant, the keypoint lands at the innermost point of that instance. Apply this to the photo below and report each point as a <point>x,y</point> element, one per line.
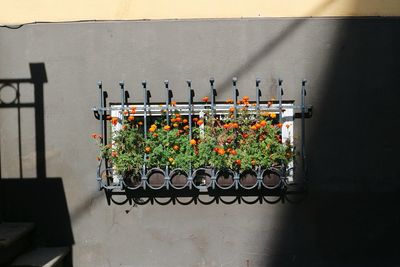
<point>242,139</point>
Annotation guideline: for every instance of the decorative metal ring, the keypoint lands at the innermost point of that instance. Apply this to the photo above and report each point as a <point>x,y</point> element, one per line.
<point>140,201</point>
<point>229,202</point>
<point>195,173</point>
<point>279,198</point>
<point>103,175</point>
<point>152,172</point>
<point>185,203</point>
<point>253,172</point>
<point>271,170</point>
<point>219,173</point>
<point>163,203</point>
<point>8,85</point>
<point>140,183</point>
<point>176,172</point>
<point>213,199</point>
<point>249,201</point>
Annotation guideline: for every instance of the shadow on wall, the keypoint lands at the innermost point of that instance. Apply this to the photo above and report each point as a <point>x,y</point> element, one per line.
<point>39,199</point>
<point>350,217</point>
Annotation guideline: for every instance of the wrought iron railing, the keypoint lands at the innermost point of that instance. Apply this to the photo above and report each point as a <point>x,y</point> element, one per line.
<point>204,180</point>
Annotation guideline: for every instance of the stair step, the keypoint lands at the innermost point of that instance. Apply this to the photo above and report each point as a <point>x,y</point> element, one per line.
<point>14,239</point>
<point>42,257</point>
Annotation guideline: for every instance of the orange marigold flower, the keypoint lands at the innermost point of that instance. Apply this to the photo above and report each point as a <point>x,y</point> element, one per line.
<point>133,110</point>
<point>176,147</point>
<point>140,123</point>
<point>200,122</point>
<point>238,161</point>
<point>152,129</point>
<point>265,114</point>
<point>186,127</point>
<point>114,121</point>
<point>229,101</point>
<point>246,98</point>
<point>279,125</point>
<point>195,119</point>
<point>126,112</point>
<point>93,135</point>
<point>155,135</point>
<point>173,119</point>
<point>147,149</point>
<point>258,126</point>
<point>175,125</point>
<point>173,103</point>
<point>235,125</point>
<point>272,115</point>
<point>124,127</point>
<point>114,154</point>
<point>263,123</point>
<point>221,151</point>
<point>253,162</point>
<point>131,118</point>
<point>253,127</point>
<point>205,99</point>
<point>233,152</point>
<point>167,127</point>
<point>245,135</point>
<point>185,121</point>
<point>177,115</point>
<point>192,142</point>
<point>231,109</point>
<point>170,159</point>
<point>178,119</point>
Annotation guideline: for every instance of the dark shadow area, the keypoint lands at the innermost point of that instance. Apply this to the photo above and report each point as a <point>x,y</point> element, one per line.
<point>350,217</point>
<point>40,200</point>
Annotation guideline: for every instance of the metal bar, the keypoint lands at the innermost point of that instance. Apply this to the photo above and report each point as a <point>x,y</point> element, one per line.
<point>167,102</point>
<point>144,85</point>
<point>234,96</point>
<point>100,87</point>
<point>21,105</point>
<point>303,126</point>
<point>213,94</point>
<point>280,93</point>
<point>122,85</point>
<point>258,94</point>
<point>191,95</point>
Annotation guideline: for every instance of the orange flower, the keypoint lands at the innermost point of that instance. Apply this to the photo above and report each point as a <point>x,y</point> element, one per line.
<point>200,122</point>
<point>265,114</point>
<point>245,135</point>
<point>253,162</point>
<point>133,110</point>
<point>263,123</point>
<point>152,129</point>
<point>176,147</point>
<point>205,99</point>
<point>185,121</point>
<point>195,119</point>
<point>238,161</point>
<point>177,115</point>
<point>126,112</point>
<point>272,115</point>
<point>269,103</point>
<point>167,127</point>
<point>287,126</point>
<point>246,98</point>
<point>131,118</point>
<point>175,125</point>
<point>124,127</point>
<point>178,119</point>
<point>114,121</point>
<point>155,135</point>
<point>173,103</point>
<point>231,109</point>
<point>192,142</point>
<point>186,127</point>
<point>233,152</point>
<point>173,120</point>
<point>170,159</point>
<point>221,151</point>
<point>114,154</point>
<point>140,123</point>
<point>153,126</point>
<point>147,149</point>
<point>229,101</point>
<point>93,135</point>
<point>235,125</point>
<point>253,127</point>
<point>258,126</point>
<point>279,125</point>
<point>226,126</point>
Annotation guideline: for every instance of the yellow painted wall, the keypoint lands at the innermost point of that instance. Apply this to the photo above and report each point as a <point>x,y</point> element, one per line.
<point>23,11</point>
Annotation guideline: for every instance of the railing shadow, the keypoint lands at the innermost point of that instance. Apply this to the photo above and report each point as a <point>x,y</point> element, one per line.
<point>38,199</point>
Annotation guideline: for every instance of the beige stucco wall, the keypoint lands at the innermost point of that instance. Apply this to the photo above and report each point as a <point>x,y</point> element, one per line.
<point>24,11</point>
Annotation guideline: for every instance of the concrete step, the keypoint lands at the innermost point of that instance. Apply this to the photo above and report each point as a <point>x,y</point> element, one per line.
<point>42,257</point>
<point>15,238</point>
